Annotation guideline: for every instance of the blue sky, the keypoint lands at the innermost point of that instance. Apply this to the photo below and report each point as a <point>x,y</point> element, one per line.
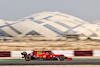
<point>12,10</point>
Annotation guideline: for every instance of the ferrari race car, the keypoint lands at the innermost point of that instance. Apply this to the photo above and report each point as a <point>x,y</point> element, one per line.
<point>45,55</point>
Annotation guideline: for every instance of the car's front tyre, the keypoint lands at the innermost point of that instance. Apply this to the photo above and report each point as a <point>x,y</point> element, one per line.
<point>62,58</point>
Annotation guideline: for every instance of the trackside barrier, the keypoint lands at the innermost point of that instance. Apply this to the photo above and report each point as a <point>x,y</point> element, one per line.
<point>96,52</point>
<point>5,54</point>
<point>64,52</point>
<point>83,53</point>
<point>18,53</point>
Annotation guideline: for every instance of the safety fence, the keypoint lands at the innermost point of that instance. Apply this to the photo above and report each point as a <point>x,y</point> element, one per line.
<point>64,52</point>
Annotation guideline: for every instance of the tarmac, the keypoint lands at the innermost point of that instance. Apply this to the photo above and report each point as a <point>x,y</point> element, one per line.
<point>77,60</point>
<point>50,66</point>
<point>73,57</point>
<point>48,62</point>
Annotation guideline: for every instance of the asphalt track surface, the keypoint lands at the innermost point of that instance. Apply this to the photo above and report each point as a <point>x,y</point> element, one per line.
<point>46,62</point>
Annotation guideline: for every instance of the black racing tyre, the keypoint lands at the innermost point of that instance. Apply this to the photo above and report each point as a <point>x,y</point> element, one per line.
<point>62,58</point>
<point>27,57</point>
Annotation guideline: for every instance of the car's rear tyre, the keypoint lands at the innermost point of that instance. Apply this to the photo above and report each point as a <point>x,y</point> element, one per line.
<point>27,57</point>
<point>62,58</point>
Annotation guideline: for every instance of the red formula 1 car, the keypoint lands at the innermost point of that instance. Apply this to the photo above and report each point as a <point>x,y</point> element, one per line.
<point>45,55</point>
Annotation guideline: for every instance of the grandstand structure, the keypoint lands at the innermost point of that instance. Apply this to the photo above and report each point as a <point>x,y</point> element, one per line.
<point>48,24</point>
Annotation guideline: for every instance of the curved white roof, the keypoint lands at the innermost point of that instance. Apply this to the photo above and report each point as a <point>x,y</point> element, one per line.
<point>49,24</point>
